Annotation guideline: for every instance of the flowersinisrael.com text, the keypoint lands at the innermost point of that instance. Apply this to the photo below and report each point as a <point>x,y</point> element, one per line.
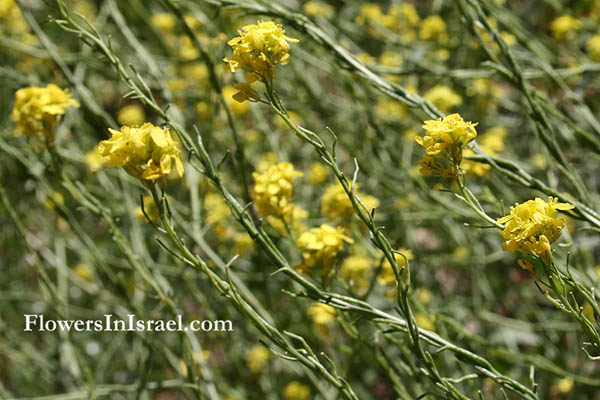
<point>37,322</point>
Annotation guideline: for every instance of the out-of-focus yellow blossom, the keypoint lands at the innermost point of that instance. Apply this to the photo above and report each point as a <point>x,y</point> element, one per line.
<point>562,386</point>
<point>356,270</point>
<point>257,357</point>
<point>147,152</point>
<point>13,21</point>
<point>386,275</point>
<point>259,48</point>
<point>237,108</point>
<point>335,202</point>
<point>94,160</point>
<point>433,28</point>
<point>592,46</point>
<point>446,138</point>
<point>365,58</point>
<point>318,9</point>
<point>265,161</point>
<point>164,22</point>
<point>320,248</point>
<point>491,142</point>
<point>242,243</point>
<point>318,173</point>
<point>460,253</point>
<point>215,208</point>
<point>564,27</point>
<point>406,13</point>
<point>532,226</point>
<point>292,220</point>
<point>131,115</point>
<point>187,49</point>
<point>296,391</point>
<point>52,200</point>
<point>195,72</point>
<point>390,110</point>
<point>443,98</point>
<point>84,271</point>
<point>425,321</point>
<point>424,296</point>
<point>321,315</point>
<point>369,12</point>
<point>273,189</point>
<point>204,110</point>
<point>391,59</point>
<point>37,110</point>
<point>150,209</point>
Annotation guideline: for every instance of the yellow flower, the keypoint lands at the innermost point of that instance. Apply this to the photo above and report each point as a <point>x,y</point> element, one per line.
<point>131,115</point>
<point>296,391</point>
<point>164,22</point>
<point>94,160</point>
<point>237,108</point>
<point>369,12</point>
<point>84,271</point>
<point>215,208</point>
<point>150,209</point>
<point>386,275</point>
<point>320,248</point>
<point>37,110</point>
<point>564,27</point>
<point>433,28</point>
<point>443,98</point>
<point>318,9</point>
<point>146,152</point>
<point>259,48</point>
<point>293,219</point>
<point>273,189</point>
<point>356,270</point>
<point>593,47</point>
<point>317,174</point>
<point>425,322</point>
<point>491,142</point>
<point>204,110</point>
<point>532,226</point>
<point>321,315</point>
<point>257,357</point>
<point>390,110</point>
<point>335,202</point>
<point>447,137</point>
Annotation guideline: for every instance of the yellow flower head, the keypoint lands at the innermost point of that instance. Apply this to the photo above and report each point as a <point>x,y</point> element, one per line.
<point>321,314</point>
<point>335,202</point>
<point>564,27</point>
<point>259,48</point>
<point>443,98</point>
<point>318,173</point>
<point>37,110</point>
<point>318,9</point>
<point>131,115</point>
<point>320,247</point>
<point>492,142</point>
<point>257,357</point>
<point>593,47</point>
<point>146,152</point>
<point>532,226</point>
<point>94,160</point>
<point>433,28</point>
<point>296,391</point>
<point>273,189</point>
<point>356,270</point>
<point>447,137</point>
<point>386,275</point>
<point>164,22</point>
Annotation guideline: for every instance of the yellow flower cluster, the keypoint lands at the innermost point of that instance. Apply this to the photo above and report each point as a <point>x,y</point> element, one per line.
<point>386,275</point>
<point>400,18</point>
<point>320,248</point>
<point>37,110</point>
<point>131,115</point>
<point>491,142</point>
<point>356,270</point>
<point>564,27</point>
<point>296,391</point>
<point>273,189</point>
<point>433,28</point>
<point>445,138</point>
<point>257,357</point>
<point>593,47</point>
<point>318,9</point>
<point>146,152</point>
<point>335,202</point>
<point>532,226</point>
<point>443,98</point>
<point>321,315</point>
<point>259,48</point>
